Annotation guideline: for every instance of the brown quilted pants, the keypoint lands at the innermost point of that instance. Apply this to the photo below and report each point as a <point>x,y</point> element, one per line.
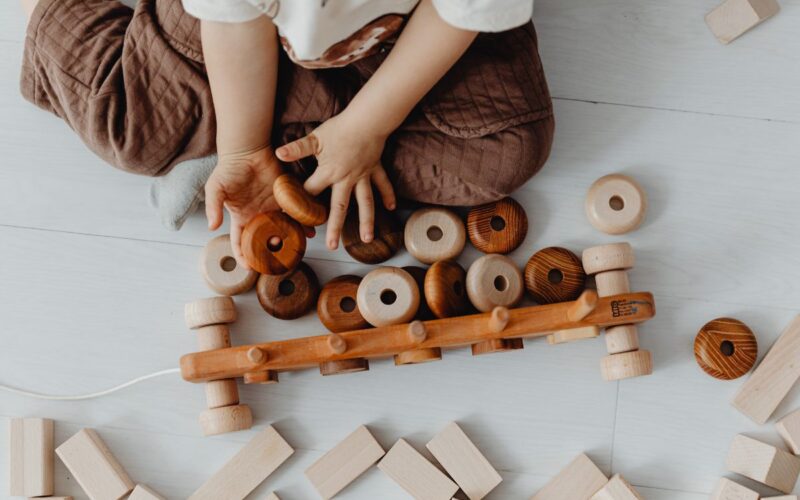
<point>132,84</point>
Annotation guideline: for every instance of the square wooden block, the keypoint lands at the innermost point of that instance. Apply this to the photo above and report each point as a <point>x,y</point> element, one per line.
<point>415,474</point>
<point>733,18</point>
<point>730,490</point>
<point>789,429</point>
<point>142,492</point>
<point>94,467</point>
<point>577,481</point>
<point>763,463</point>
<point>31,456</point>
<point>617,489</point>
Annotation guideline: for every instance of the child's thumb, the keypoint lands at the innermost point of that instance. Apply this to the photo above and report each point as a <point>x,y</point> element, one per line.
<point>295,150</point>
<point>214,202</point>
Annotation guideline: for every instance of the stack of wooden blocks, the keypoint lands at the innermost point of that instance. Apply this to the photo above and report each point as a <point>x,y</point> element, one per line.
<point>583,480</point>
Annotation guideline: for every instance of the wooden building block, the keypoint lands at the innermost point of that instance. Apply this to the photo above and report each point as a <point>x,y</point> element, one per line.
<point>94,467</point>
<point>31,447</point>
<point>773,377</point>
<point>344,463</point>
<point>789,429</point>
<point>577,481</point>
<point>142,492</point>
<point>733,18</point>
<point>617,489</point>
<point>730,490</point>
<point>247,469</point>
<point>420,478</point>
<point>464,462</point>
<point>763,463</point>
<point>784,497</point>
<point>272,496</point>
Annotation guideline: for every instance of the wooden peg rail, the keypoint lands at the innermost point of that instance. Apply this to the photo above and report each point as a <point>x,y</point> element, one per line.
<point>386,341</point>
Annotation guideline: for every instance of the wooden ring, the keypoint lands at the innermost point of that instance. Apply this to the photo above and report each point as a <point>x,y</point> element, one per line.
<point>342,366</point>
<point>494,280</point>
<point>221,271</point>
<point>211,311</point>
<point>725,348</point>
<point>445,289</point>
<point>259,251</point>
<point>387,237</point>
<point>616,204</point>
<point>337,307</point>
<point>626,365</point>
<point>498,227</point>
<point>613,257</point>
<point>554,274</point>
<point>289,295</point>
<point>297,202</point>
<point>434,234</point>
<point>388,296</point>
<point>418,356</point>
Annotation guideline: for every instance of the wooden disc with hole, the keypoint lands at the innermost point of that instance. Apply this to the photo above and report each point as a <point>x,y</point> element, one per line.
<point>613,257</point>
<point>265,257</point>
<point>388,296</point>
<point>494,280</point>
<point>297,202</point>
<point>289,295</point>
<point>226,419</point>
<point>496,345</point>
<point>554,274</point>
<point>337,307</point>
<point>424,312</point>
<point>626,365</point>
<point>211,311</point>
<point>221,271</point>
<point>445,289</point>
<point>434,234</point>
<point>725,348</point>
<point>418,356</point>
<point>342,366</point>
<point>498,227</point>
<point>387,240</point>
<point>616,204</point>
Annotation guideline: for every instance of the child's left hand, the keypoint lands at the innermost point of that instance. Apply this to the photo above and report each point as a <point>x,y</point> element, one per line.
<point>349,159</point>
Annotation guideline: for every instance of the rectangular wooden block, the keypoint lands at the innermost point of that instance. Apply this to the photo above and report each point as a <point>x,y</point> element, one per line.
<point>142,492</point>
<point>773,378</point>
<point>32,458</point>
<point>272,496</point>
<point>344,463</point>
<point>789,429</point>
<point>617,489</point>
<point>763,463</point>
<point>247,469</point>
<point>464,462</point>
<point>561,336</point>
<point>730,490</point>
<point>733,18</point>
<point>577,481</point>
<point>94,467</point>
<point>420,478</point>
<point>784,497</point>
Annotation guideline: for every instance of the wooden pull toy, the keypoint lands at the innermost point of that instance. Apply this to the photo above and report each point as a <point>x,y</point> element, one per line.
<point>616,204</point>
<point>554,274</point>
<point>388,237</point>
<point>289,295</point>
<point>434,234</point>
<point>297,202</point>
<point>273,243</point>
<point>498,227</point>
<point>221,271</point>
<point>337,307</point>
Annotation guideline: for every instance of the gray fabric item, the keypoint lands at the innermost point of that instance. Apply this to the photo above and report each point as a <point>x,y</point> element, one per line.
<point>176,195</point>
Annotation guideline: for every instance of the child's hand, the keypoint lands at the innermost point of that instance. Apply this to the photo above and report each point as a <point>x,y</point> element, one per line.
<point>349,159</point>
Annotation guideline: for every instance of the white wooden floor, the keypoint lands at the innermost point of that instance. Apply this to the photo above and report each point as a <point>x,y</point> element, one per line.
<point>92,288</point>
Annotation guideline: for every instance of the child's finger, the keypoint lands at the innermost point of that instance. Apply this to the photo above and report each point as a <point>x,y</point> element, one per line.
<point>215,196</point>
<point>295,150</point>
<point>236,242</point>
<point>340,199</point>
<point>317,182</point>
<point>384,187</point>
<point>366,209</point>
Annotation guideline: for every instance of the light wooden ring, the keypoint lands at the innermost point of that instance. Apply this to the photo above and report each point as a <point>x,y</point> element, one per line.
<point>221,271</point>
<point>494,280</point>
<point>266,258</point>
<point>297,202</point>
<point>388,296</point>
<point>616,204</point>
<point>433,234</point>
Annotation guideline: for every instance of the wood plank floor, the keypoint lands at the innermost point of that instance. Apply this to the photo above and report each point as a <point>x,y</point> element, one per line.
<point>92,287</point>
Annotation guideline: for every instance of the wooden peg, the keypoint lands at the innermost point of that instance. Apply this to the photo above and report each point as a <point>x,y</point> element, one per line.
<point>626,365</point>
<point>93,466</point>
<point>289,295</point>
<point>388,296</point>
<point>494,280</point>
<point>337,344</point>
<point>297,202</point>
<point>31,457</point>
<point>730,490</point>
<point>499,319</point>
<point>337,308</point>
<point>211,311</point>
<point>612,283</point>
<point>573,334</point>
<point>496,345</point>
<point>616,204</point>
<point>434,234</point>
<point>725,348</point>
<point>418,273</point>
<point>417,356</point>
<point>261,250</point>
<point>387,240</point>
<point>498,227</point>
<point>445,290</point>
<point>584,305</point>
<point>763,463</point>
<point>262,377</point>
<point>257,355</point>
<point>416,330</point>
<point>622,338</point>
<point>554,274</point>
<point>733,18</point>
<point>613,257</point>
<point>789,429</point>
<point>342,366</point>
<point>221,271</point>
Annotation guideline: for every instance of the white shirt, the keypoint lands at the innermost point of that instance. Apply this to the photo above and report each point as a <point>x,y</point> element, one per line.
<point>330,33</point>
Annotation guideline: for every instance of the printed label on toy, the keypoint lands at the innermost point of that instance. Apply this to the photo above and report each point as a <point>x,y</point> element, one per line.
<point>623,308</point>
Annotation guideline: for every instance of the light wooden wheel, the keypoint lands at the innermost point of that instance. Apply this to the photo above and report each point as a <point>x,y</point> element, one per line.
<point>297,202</point>
<point>616,256</point>
<point>494,280</point>
<point>418,356</point>
<point>616,204</point>
<point>221,271</point>
<point>342,366</point>
<point>496,345</point>
<point>226,419</point>
<point>626,365</point>
<point>434,234</point>
<point>211,311</point>
<point>388,296</point>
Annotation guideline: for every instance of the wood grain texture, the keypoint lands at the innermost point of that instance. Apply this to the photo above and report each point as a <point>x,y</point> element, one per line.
<point>260,252</point>
<point>615,204</point>
<point>220,269</point>
<point>337,308</point>
<point>31,457</point>
<point>789,429</point>
<point>388,296</point>
<point>445,289</point>
<point>420,478</point>
<point>387,237</point>
<point>733,18</point>
<point>417,356</point>
<point>434,234</point>
<point>498,227</point>
<point>343,366</point>
<point>418,273</point>
<point>494,280</point>
<point>496,345</point>
<point>763,463</point>
<point>617,488</point>
<point>554,274</point>
<point>289,295</point>
<point>94,467</point>
<point>731,490</point>
<point>577,481</point>
<point>725,348</point>
<point>297,202</point>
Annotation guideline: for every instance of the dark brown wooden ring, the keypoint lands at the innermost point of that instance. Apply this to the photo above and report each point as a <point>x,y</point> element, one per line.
<point>297,202</point>
<point>289,295</point>
<point>725,348</point>
<point>554,274</point>
<point>342,366</point>
<point>496,345</point>
<point>337,307</point>
<point>498,227</point>
<point>265,257</point>
<point>387,240</point>
<point>424,312</point>
<point>445,289</point>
